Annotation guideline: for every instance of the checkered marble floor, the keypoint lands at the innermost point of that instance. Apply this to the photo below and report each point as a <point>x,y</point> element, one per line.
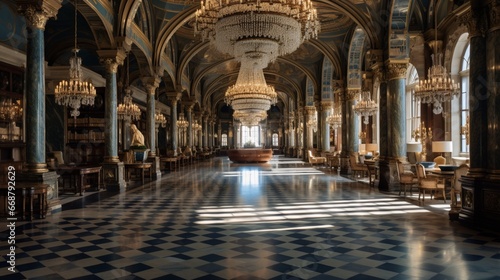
<point>281,220</point>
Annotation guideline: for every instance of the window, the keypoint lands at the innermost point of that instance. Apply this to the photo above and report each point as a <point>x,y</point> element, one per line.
<point>224,140</point>
<point>275,140</point>
<point>412,105</point>
<point>250,136</point>
<point>464,97</point>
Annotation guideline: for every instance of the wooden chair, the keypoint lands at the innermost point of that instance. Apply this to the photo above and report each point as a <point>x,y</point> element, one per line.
<point>407,179</point>
<point>430,184</point>
<point>356,167</point>
<point>316,160</point>
<point>456,187</point>
<point>440,160</point>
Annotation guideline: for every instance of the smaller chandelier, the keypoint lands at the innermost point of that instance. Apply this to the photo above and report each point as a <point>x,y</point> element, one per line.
<point>182,123</point>
<point>11,111</point>
<point>313,123</point>
<point>249,117</point>
<point>438,87</point>
<point>75,92</point>
<point>365,107</point>
<point>196,126</point>
<point>160,119</point>
<point>334,120</point>
<point>128,110</point>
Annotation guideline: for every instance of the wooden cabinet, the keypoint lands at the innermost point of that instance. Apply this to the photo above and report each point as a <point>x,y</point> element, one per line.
<point>11,113</point>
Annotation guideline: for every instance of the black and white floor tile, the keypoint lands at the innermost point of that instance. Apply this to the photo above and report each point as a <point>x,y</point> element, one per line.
<point>281,220</point>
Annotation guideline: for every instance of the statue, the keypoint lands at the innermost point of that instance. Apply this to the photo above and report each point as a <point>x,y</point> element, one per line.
<point>137,137</point>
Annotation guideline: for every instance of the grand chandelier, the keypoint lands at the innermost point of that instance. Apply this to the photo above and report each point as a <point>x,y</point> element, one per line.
<point>76,91</point>
<point>11,111</point>
<point>438,87</point>
<point>365,107</point>
<point>244,27</point>
<point>334,120</point>
<point>250,117</point>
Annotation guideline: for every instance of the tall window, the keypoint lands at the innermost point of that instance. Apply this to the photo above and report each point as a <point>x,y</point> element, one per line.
<point>223,140</point>
<point>412,105</point>
<point>464,98</point>
<point>275,139</point>
<point>250,136</point>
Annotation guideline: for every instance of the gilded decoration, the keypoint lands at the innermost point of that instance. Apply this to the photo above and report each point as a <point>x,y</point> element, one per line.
<point>396,70</point>
<point>352,94</point>
<point>34,17</point>
<point>326,105</point>
<point>110,64</point>
<point>468,201</point>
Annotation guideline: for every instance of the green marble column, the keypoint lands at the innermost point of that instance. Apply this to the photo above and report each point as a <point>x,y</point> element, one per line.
<point>190,126</point>
<point>111,119</point>
<point>352,121</point>
<point>396,108</point>
<point>150,120</point>
<point>326,108</point>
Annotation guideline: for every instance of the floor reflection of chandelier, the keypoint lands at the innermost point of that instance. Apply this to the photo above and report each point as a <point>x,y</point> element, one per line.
<point>75,92</point>
<point>365,107</point>
<point>128,110</point>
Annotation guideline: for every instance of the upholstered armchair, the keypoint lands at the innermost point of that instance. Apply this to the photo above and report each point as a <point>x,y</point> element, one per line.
<point>428,184</point>
<point>357,168</point>
<point>407,179</point>
<point>314,159</point>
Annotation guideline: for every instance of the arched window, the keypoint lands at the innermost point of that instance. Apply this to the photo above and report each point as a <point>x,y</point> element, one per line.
<point>223,140</point>
<point>464,97</point>
<point>412,105</point>
<point>275,139</point>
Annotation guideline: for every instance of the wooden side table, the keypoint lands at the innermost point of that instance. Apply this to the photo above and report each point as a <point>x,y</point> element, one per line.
<point>142,166</point>
<point>31,199</point>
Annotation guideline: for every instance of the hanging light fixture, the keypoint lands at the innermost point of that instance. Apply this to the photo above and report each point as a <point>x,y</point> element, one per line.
<point>128,110</point>
<point>365,107</point>
<point>160,119</point>
<point>438,87</point>
<point>334,120</point>
<point>182,123</point>
<point>196,126</point>
<point>75,92</point>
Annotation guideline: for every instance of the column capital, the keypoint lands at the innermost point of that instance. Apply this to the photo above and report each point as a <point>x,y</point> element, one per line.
<point>326,105</point>
<point>493,16</point>
<point>38,12</point>
<point>174,96</point>
<point>396,69</point>
<point>111,59</point>
<point>310,110</point>
<point>351,94</point>
<point>151,83</point>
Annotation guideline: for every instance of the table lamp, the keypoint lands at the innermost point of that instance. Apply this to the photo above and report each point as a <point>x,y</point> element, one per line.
<point>372,147</point>
<point>413,148</point>
<point>442,147</point>
<point>362,149</point>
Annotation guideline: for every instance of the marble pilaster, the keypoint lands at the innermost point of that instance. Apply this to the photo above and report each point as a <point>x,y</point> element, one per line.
<point>189,118</point>
<point>174,97</point>
<point>352,121</point>
<point>205,131</point>
<point>151,84</point>
<point>326,109</point>
<point>310,114</point>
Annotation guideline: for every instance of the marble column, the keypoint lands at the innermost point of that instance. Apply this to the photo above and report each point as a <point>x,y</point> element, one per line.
<point>326,109</point>
<point>174,97</point>
<point>205,131</point>
<point>310,114</point>
<point>190,125</point>
<point>113,169</point>
<point>151,86</point>
<point>352,139</point>
<point>396,104</point>
<point>36,14</point>
<point>493,103</point>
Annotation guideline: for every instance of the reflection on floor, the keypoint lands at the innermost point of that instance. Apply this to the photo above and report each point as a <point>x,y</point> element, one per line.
<point>281,220</point>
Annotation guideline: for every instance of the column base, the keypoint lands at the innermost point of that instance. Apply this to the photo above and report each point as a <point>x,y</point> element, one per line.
<point>480,196</point>
<point>388,175</point>
<point>111,159</point>
<point>50,178</point>
<point>113,176</point>
<point>36,168</point>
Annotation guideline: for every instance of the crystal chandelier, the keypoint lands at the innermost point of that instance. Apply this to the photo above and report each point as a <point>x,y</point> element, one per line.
<point>334,120</point>
<point>438,87</point>
<point>242,28</point>
<point>365,107</point>
<point>196,126</point>
<point>250,117</point>
<point>160,119</point>
<point>11,111</point>
<point>75,92</point>
<point>128,110</point>
<point>182,123</point>
<point>313,123</point>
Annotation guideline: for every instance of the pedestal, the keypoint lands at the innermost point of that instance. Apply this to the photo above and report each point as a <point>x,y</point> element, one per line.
<point>114,176</point>
<point>480,207</point>
<point>50,178</point>
<point>156,167</point>
<point>388,175</point>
